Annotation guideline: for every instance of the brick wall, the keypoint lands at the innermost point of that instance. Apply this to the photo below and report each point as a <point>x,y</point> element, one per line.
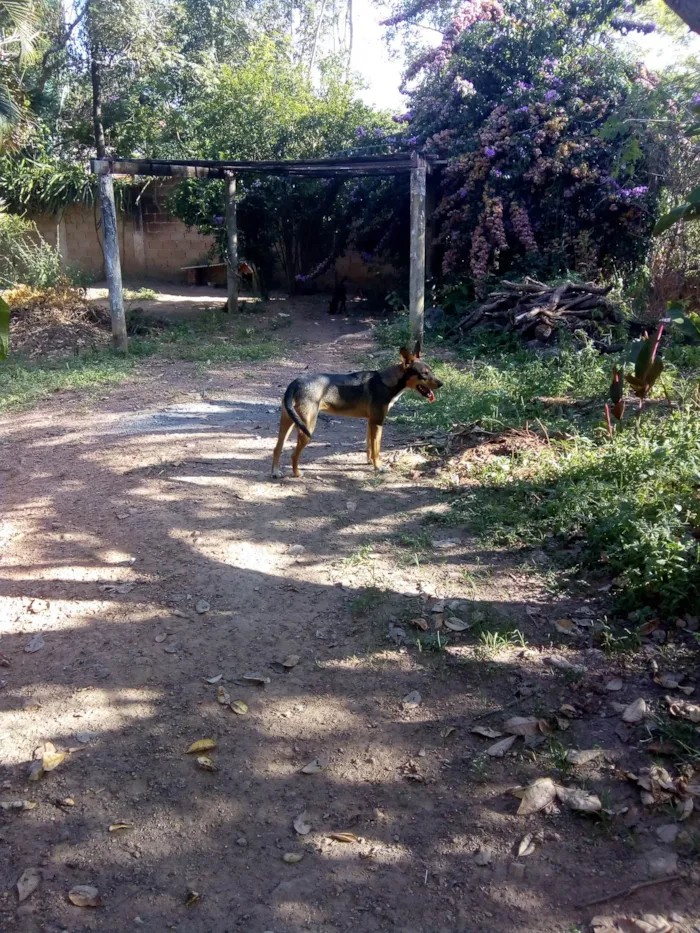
<point>151,243</point>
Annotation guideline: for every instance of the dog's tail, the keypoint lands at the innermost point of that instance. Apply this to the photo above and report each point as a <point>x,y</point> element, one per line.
<point>287,402</point>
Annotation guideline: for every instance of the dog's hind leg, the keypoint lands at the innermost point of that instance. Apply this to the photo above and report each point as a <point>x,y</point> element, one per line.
<point>286,425</point>
<point>308,416</point>
<point>369,442</point>
<point>375,436</point>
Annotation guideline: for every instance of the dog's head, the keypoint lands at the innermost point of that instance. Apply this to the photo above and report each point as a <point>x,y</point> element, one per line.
<point>419,375</point>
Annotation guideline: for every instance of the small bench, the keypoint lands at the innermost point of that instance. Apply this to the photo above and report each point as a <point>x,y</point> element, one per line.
<point>197,275</point>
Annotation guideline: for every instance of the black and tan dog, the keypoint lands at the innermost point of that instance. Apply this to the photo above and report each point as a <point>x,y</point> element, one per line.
<point>368,394</point>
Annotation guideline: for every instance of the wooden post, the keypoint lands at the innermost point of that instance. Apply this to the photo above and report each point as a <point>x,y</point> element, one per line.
<point>231,242</point>
<point>113,269</point>
<point>416,304</point>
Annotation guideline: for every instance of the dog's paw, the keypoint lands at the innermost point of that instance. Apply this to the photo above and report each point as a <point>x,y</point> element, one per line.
<point>276,474</point>
<point>381,468</point>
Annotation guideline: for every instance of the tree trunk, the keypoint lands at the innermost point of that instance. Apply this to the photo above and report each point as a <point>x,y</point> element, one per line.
<point>98,127</point>
<point>109,213</point>
<point>689,12</point>
<point>317,34</point>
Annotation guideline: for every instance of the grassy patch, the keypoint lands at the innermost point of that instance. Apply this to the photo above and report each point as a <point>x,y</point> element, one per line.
<point>630,506</point>
<point>208,342</point>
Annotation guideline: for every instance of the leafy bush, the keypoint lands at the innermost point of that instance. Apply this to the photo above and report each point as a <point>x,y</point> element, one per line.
<point>25,257</point>
<point>630,505</point>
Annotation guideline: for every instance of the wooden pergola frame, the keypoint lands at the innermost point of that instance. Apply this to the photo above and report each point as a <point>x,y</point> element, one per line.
<point>411,164</point>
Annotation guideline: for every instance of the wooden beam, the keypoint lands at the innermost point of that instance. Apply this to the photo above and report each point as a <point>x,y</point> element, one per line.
<point>201,168</point>
<point>231,243</point>
<point>112,264</point>
<point>416,304</point>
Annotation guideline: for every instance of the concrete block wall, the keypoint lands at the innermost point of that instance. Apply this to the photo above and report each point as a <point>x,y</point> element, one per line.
<point>151,243</point>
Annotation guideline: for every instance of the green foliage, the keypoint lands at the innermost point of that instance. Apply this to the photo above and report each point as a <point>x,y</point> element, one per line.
<point>41,176</point>
<point>26,258</point>
<point>268,109</point>
<point>4,328</point>
<point>629,505</point>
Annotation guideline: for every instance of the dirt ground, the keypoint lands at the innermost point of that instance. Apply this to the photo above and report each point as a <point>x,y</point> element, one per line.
<point>144,550</point>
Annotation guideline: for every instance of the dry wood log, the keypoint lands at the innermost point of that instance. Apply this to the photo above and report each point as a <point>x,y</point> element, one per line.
<point>540,311</point>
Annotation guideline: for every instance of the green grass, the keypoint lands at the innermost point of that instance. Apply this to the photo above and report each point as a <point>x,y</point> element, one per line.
<point>209,341</point>
<point>630,506</point>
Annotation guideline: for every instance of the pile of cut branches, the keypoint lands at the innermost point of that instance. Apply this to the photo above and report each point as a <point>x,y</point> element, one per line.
<point>539,312</point>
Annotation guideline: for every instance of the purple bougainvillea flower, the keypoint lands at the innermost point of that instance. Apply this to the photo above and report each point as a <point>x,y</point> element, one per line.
<point>360,132</point>
<point>551,96</point>
<point>490,152</point>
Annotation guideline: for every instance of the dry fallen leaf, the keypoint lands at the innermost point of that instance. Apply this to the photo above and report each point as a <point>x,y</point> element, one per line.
<point>566,627</point>
<point>161,638</point>
<point>669,681</point>
<point>291,661</point>
<point>527,846</point>
<point>684,809</point>
<point>291,858</point>
<point>635,712</point>
<point>214,680</point>
<point>499,749</point>
<point>34,644</point>
<point>521,725</point>
<point>51,760</point>
<point>118,827</point>
<point>223,696</point>
<point>684,709</point>
<point>577,799</point>
<point>27,883</point>
<point>580,757</point>
<point>419,623</point>
<point>18,804</point>
<point>85,895</point>
<point>192,898</point>
<point>536,796</point>
<point>301,824</point>
<point>206,764</point>
<point>343,837</point>
<point>239,707</point>
<point>487,732</point>
<point>256,677</point>
<point>201,745</point>
<point>614,685</point>
<point>457,625</point>
<point>315,765</point>
<point>412,700</point>
<point>447,731</point>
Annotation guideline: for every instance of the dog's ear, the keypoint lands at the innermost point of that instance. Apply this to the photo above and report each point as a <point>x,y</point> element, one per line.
<point>406,356</point>
<point>416,352</point>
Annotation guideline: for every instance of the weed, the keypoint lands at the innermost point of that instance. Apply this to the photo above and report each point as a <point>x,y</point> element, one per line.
<point>140,294</point>
<point>369,600</point>
<point>479,768</point>
<point>558,754</point>
<point>619,640</point>
<point>433,642</point>
<point>683,735</point>
<point>494,641</point>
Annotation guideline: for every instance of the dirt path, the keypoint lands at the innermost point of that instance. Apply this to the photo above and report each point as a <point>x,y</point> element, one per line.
<point>132,514</point>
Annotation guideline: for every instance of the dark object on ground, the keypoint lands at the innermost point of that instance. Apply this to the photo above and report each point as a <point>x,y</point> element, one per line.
<point>538,311</point>
<point>338,299</point>
<point>433,317</point>
<point>369,394</point>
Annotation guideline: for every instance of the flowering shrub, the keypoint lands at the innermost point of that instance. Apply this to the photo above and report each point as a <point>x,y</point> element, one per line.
<point>523,102</point>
